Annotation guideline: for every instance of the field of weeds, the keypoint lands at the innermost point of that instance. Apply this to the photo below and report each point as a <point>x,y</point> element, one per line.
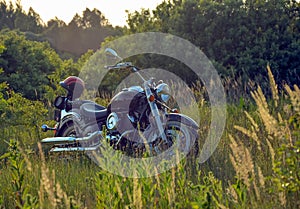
<point>256,165</point>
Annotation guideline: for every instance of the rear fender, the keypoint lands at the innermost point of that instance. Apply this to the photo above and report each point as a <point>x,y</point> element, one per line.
<point>67,119</point>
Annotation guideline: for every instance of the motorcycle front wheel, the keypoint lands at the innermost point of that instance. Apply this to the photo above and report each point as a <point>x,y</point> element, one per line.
<point>177,134</point>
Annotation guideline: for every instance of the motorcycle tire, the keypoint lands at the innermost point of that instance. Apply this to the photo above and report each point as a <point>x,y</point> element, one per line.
<point>177,134</point>
<point>68,130</point>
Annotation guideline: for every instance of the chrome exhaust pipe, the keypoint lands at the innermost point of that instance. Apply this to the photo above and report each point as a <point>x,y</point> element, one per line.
<point>74,149</point>
<point>67,139</point>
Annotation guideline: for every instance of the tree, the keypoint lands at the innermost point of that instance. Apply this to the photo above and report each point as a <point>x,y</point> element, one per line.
<point>14,17</point>
<point>26,64</point>
<point>6,15</point>
<point>239,37</point>
<point>93,19</point>
<point>81,34</point>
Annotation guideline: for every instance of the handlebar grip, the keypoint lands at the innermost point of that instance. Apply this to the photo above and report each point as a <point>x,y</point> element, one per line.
<point>108,67</point>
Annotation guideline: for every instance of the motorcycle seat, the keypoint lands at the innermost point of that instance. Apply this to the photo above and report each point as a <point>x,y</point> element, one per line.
<point>93,110</point>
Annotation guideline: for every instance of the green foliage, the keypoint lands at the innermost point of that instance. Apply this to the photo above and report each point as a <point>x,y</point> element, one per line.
<point>172,189</point>
<point>21,111</point>
<point>26,64</point>
<point>3,103</point>
<point>1,201</point>
<point>241,191</point>
<point>239,37</point>
<point>287,172</point>
<point>287,168</point>
<point>19,117</point>
<point>2,48</point>
<point>188,185</point>
<point>33,68</point>
<point>22,198</point>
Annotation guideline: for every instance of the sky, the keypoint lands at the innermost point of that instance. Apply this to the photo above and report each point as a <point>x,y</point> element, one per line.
<point>113,10</point>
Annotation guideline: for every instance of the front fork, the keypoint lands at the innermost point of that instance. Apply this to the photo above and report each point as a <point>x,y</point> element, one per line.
<point>154,110</point>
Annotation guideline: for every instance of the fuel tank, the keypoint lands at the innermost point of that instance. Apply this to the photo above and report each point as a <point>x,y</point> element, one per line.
<point>130,106</point>
<point>128,100</point>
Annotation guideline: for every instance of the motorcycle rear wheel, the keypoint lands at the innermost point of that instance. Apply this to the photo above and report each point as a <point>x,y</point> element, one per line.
<point>68,130</point>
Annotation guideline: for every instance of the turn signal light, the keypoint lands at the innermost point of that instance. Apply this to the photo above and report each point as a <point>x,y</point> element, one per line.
<point>175,110</point>
<point>151,98</point>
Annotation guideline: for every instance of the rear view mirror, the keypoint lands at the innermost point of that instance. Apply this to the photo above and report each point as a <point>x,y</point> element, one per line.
<point>113,53</point>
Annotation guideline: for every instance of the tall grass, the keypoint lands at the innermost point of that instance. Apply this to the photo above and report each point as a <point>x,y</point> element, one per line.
<point>275,128</point>
<point>256,165</point>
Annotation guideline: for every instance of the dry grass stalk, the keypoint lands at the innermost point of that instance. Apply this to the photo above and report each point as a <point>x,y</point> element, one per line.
<point>59,193</point>
<point>295,103</point>
<point>41,196</point>
<point>272,152</point>
<point>289,134</point>
<point>241,160</point>
<point>271,124</point>
<point>119,190</point>
<point>273,85</point>
<point>294,97</point>
<point>261,177</point>
<point>62,196</point>
<point>46,182</point>
<point>27,161</point>
<point>256,189</point>
<point>251,134</point>
<point>254,124</point>
<point>56,196</point>
<point>171,190</point>
<point>157,179</point>
<point>128,192</point>
<point>222,206</point>
<point>282,199</point>
<point>137,194</point>
<point>243,164</point>
<point>280,119</point>
<point>231,191</point>
<point>260,99</point>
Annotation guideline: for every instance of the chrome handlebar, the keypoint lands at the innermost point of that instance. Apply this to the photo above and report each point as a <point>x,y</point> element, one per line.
<point>120,65</point>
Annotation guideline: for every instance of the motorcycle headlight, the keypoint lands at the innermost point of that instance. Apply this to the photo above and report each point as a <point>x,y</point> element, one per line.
<point>163,91</point>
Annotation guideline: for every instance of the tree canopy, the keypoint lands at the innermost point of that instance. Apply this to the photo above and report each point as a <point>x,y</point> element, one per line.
<point>81,34</point>
<point>14,17</point>
<point>239,37</point>
<point>26,64</point>
<point>84,32</point>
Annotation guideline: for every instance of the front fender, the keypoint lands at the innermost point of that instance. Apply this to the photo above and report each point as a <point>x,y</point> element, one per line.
<point>193,129</point>
<point>186,120</point>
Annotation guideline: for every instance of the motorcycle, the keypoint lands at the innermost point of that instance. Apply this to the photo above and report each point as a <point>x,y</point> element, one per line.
<point>136,120</point>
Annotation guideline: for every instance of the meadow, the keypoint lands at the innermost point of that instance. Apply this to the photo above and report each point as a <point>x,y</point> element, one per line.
<point>256,164</point>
